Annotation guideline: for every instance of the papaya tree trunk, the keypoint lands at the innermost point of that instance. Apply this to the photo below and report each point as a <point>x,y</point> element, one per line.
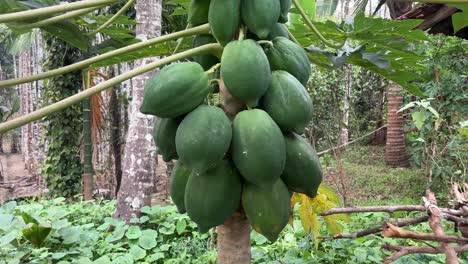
<point>395,150</point>
<point>87,144</point>
<point>138,169</point>
<point>234,235</point>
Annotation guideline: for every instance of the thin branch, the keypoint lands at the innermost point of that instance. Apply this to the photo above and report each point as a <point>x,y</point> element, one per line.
<point>388,209</point>
<point>397,232</point>
<point>377,229</point>
<point>88,62</point>
<point>404,250</point>
<point>38,114</point>
<point>46,11</point>
<point>313,28</point>
<point>455,219</point>
<point>113,18</point>
<point>440,1</point>
<point>56,19</point>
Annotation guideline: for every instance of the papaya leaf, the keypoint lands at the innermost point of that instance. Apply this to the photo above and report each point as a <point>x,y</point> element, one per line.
<point>460,19</point>
<point>333,225</point>
<point>309,219</point>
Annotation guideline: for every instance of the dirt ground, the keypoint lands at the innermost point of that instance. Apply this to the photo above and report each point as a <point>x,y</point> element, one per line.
<point>12,171</point>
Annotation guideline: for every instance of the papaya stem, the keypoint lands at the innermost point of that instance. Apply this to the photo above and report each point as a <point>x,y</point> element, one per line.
<point>214,68</point>
<point>179,43</point>
<point>88,62</point>
<point>50,10</point>
<point>76,98</point>
<point>56,19</point>
<point>313,28</point>
<point>267,42</point>
<point>291,36</point>
<point>241,33</point>
<point>113,18</point>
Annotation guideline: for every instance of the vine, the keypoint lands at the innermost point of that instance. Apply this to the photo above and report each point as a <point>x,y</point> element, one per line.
<point>62,166</point>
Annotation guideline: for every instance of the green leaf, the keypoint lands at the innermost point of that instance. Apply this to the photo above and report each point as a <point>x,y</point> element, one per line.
<point>133,232</point>
<point>147,242</point>
<point>418,119</point>
<point>5,221</point>
<point>69,32</point>
<point>36,234</point>
<point>460,19</point>
<point>153,258</point>
<point>102,260</point>
<point>181,226</point>
<point>137,252</point>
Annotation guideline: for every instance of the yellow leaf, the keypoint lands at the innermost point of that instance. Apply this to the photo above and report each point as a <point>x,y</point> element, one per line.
<point>291,209</point>
<point>333,225</point>
<point>330,193</point>
<point>309,219</point>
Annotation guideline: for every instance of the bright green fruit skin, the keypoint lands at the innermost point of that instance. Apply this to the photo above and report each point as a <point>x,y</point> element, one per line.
<point>164,134</point>
<point>205,60</point>
<point>278,30</point>
<point>203,138</point>
<point>245,71</point>
<point>224,18</point>
<point>258,147</point>
<point>260,15</point>
<point>288,102</point>
<point>288,56</point>
<point>213,196</point>
<point>267,208</point>
<point>302,173</point>
<point>285,6</point>
<point>198,12</point>
<point>179,178</point>
<point>175,90</point>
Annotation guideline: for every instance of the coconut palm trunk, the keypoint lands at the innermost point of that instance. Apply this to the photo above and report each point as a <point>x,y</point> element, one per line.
<point>395,151</point>
<point>138,168</point>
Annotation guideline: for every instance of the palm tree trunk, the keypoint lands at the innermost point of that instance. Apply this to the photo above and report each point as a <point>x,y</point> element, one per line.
<point>87,143</point>
<point>234,235</point>
<point>140,152</point>
<point>395,151</point>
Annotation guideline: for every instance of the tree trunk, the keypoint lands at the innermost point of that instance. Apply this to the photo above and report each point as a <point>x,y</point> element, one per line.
<point>398,8</point>
<point>87,143</point>
<point>234,235</point>
<point>395,151</point>
<point>116,142</point>
<point>344,133</point>
<point>140,152</point>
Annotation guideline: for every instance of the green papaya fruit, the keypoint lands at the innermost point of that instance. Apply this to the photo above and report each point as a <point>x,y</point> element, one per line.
<point>164,133</point>
<point>288,56</point>
<point>175,90</point>
<point>198,12</point>
<point>260,15</point>
<point>285,6</point>
<point>245,71</point>
<point>258,147</point>
<point>224,18</point>
<point>213,196</point>
<point>288,102</point>
<point>178,181</point>
<point>203,138</point>
<point>278,30</point>
<point>267,208</point>
<point>205,60</point>
<point>302,173</point>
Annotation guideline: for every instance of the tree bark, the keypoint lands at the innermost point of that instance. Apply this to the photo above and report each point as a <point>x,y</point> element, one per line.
<point>395,150</point>
<point>115,137</point>
<point>344,133</point>
<point>140,152</point>
<point>234,235</point>
<point>398,8</point>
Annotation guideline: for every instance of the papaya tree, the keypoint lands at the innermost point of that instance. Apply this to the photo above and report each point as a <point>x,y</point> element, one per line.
<point>242,160</point>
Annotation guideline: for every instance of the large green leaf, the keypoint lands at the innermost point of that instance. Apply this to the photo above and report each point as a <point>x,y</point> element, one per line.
<point>69,32</point>
<point>460,19</point>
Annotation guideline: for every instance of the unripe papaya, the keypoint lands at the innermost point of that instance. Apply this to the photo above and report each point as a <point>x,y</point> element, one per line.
<point>302,173</point>
<point>285,6</point>
<point>260,15</point>
<point>288,56</point>
<point>213,196</point>
<point>288,102</point>
<point>267,208</point>
<point>258,147</point>
<point>198,12</point>
<point>245,70</point>
<point>178,181</point>
<point>205,60</point>
<point>175,90</point>
<point>278,30</point>
<point>164,134</point>
<point>224,18</point>
<point>203,138</point>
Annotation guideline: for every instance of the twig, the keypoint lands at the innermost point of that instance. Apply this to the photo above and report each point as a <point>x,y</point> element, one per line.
<point>397,232</point>
<point>403,250</point>
<point>389,209</point>
<point>434,223</point>
<point>377,229</point>
<point>455,219</point>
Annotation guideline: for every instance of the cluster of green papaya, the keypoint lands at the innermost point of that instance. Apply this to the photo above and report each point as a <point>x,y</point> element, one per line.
<point>259,159</point>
